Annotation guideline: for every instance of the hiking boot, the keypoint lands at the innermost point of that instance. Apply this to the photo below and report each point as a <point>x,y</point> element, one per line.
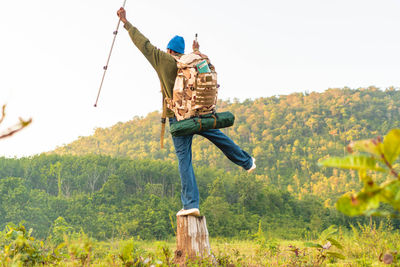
<point>190,212</point>
<point>253,167</point>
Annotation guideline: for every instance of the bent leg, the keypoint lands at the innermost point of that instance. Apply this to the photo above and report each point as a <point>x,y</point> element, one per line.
<point>190,192</point>
<point>231,150</point>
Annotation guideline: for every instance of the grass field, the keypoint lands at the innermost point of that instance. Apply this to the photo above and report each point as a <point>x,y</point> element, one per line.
<point>364,245</point>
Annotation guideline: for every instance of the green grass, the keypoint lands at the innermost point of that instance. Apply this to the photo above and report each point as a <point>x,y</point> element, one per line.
<point>362,246</point>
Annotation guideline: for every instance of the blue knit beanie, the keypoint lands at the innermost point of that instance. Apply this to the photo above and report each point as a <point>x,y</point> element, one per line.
<point>177,44</point>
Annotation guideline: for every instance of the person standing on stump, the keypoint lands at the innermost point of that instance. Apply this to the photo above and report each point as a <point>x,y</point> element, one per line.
<point>165,64</point>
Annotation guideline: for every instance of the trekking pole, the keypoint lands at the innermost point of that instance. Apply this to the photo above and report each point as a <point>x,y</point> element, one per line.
<point>195,42</point>
<point>108,59</point>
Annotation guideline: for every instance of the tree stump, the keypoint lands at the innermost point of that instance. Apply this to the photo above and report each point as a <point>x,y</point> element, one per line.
<point>191,239</point>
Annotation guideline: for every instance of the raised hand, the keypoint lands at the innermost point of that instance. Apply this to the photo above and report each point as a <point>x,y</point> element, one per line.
<point>121,13</point>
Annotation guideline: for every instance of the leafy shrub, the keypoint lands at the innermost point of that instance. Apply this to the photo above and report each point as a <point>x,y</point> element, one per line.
<point>19,247</point>
<point>325,245</point>
<point>367,156</point>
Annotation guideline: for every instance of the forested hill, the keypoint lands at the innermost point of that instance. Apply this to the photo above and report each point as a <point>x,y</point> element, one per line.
<point>287,135</point>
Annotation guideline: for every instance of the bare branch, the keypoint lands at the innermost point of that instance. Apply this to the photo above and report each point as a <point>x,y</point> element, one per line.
<point>14,129</point>
<point>3,113</point>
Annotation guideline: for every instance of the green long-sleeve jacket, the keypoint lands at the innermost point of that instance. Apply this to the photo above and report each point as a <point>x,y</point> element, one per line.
<point>162,62</point>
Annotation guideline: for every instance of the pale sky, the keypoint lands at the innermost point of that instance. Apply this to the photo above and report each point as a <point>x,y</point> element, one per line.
<point>52,53</point>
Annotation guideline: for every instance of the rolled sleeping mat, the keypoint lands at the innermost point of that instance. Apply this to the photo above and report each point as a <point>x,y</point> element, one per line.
<point>202,123</point>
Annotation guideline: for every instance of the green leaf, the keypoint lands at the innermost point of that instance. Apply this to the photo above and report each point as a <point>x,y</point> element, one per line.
<point>369,184</point>
<point>328,232</point>
<point>391,193</point>
<point>372,146</point>
<point>312,245</point>
<point>355,162</point>
<point>377,213</point>
<point>391,145</point>
<point>335,243</point>
<point>30,231</point>
<point>335,255</point>
<point>354,205</point>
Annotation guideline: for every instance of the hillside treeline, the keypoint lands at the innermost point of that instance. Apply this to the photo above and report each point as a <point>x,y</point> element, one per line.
<point>119,183</point>
<point>108,197</point>
<point>287,134</point>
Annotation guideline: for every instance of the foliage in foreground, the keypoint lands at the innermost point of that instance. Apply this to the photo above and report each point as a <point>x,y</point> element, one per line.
<point>372,155</point>
<point>365,245</point>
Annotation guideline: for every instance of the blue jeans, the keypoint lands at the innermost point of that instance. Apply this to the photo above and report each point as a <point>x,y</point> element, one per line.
<point>183,149</point>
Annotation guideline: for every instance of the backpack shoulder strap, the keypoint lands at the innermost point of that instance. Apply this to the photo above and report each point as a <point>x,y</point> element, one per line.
<point>163,116</point>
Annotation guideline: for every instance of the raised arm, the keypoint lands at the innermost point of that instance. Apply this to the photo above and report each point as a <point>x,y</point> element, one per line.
<point>154,55</point>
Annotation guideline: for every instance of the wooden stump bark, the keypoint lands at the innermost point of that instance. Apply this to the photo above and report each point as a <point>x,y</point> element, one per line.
<point>191,239</point>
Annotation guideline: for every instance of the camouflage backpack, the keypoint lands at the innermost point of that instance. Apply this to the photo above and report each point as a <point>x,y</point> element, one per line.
<point>195,91</point>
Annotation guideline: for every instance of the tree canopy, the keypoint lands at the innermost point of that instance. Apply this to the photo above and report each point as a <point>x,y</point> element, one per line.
<point>119,183</point>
